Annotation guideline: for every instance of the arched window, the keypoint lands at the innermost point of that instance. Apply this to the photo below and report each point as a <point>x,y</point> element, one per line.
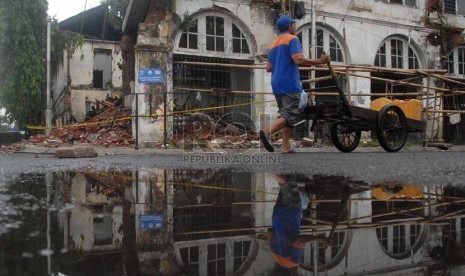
<point>327,257</point>
<point>326,40</point>
<point>214,34</point>
<point>231,256</point>
<point>395,52</point>
<point>398,240</point>
<point>213,37</point>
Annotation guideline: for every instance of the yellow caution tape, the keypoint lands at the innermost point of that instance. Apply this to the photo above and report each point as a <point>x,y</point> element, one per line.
<point>173,113</point>
<point>216,188</point>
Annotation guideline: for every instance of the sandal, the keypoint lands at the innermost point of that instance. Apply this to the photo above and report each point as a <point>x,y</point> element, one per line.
<point>265,141</point>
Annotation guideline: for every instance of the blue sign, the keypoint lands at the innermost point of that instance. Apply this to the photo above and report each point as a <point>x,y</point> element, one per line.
<point>151,222</point>
<point>150,75</point>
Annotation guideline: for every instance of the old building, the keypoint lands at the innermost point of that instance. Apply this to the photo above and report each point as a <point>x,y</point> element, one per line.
<point>209,53</point>
<point>92,71</point>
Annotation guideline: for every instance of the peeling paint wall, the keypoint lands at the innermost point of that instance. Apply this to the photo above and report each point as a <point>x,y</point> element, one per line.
<point>154,50</point>
<point>81,66</point>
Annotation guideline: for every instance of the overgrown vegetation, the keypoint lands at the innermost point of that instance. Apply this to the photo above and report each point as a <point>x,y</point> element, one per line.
<point>22,68</point>
<point>23,38</point>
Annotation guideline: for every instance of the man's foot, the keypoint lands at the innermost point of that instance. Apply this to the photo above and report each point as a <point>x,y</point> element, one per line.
<point>265,141</point>
<point>288,151</point>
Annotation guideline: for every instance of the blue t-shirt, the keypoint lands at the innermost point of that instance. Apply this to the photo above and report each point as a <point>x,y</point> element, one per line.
<point>285,78</point>
<point>286,228</point>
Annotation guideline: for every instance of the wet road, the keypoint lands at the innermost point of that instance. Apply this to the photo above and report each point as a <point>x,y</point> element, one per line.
<point>415,165</point>
<point>192,213</point>
<point>64,218</point>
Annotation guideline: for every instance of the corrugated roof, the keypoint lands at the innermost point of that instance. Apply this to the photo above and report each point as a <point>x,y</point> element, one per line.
<point>92,23</point>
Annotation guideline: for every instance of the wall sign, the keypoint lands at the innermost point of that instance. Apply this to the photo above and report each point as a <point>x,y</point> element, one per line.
<point>150,75</point>
<point>151,222</point>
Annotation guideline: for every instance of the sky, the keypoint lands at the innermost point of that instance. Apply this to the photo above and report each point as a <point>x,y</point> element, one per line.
<point>63,9</point>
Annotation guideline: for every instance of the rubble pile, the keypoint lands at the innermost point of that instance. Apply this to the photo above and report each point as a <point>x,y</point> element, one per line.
<point>201,128</point>
<point>110,183</point>
<point>109,124</point>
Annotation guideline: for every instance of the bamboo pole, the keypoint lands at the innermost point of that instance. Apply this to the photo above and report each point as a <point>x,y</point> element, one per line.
<point>324,228</point>
<point>406,210</point>
<point>339,67</point>
<point>317,79</point>
<point>446,79</point>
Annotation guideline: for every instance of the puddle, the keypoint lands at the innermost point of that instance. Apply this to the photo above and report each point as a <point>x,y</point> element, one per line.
<point>201,222</point>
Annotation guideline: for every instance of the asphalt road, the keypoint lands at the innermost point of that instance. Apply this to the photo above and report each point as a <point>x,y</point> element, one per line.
<point>414,165</point>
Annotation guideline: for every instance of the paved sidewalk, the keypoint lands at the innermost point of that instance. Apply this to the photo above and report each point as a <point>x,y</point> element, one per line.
<point>105,151</point>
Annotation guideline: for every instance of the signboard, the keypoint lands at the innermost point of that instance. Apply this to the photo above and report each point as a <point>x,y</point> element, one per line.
<point>150,75</point>
<point>151,222</point>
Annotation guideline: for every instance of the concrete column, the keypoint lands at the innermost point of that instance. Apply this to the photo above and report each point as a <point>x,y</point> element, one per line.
<point>154,50</point>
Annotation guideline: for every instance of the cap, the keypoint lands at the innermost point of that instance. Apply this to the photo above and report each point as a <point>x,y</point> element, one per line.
<point>284,22</point>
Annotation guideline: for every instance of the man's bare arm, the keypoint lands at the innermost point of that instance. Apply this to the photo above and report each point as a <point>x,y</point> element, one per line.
<point>305,62</point>
<point>268,66</point>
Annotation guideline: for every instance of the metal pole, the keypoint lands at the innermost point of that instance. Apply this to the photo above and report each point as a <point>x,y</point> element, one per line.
<point>313,49</point>
<point>137,120</point>
<point>312,56</point>
<point>164,121</point>
<point>48,184</point>
<point>48,112</point>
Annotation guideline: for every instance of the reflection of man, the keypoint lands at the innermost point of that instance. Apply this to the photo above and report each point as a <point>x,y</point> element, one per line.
<point>286,243</point>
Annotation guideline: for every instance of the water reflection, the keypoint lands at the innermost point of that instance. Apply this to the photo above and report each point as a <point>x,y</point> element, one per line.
<point>178,222</point>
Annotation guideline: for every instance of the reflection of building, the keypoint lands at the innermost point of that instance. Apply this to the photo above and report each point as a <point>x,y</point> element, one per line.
<point>214,205</point>
<point>94,223</point>
<point>211,220</point>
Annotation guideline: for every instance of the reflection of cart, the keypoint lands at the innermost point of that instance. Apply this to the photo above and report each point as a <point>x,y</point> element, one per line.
<point>347,122</point>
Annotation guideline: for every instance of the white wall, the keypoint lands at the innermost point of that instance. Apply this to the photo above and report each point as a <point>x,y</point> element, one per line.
<point>81,72</point>
<point>82,62</point>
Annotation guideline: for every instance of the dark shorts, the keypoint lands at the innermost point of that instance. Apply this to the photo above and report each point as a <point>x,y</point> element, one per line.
<point>288,105</point>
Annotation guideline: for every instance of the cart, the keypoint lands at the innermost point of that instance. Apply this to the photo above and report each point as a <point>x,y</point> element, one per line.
<point>347,122</point>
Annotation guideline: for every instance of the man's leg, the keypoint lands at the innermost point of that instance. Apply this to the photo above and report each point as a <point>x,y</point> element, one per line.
<point>277,125</point>
<point>287,134</point>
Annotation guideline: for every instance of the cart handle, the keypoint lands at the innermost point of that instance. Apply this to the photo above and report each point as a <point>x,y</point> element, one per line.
<point>342,95</point>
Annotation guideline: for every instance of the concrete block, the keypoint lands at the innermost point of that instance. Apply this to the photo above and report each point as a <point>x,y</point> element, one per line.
<point>77,152</point>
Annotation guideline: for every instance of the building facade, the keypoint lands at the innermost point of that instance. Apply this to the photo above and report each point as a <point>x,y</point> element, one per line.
<point>211,52</point>
<point>89,73</point>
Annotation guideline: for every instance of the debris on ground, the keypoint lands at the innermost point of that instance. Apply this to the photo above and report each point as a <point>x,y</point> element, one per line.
<point>202,129</point>
<point>108,125</point>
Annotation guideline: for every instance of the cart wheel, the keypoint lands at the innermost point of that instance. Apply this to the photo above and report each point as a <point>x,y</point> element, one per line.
<point>392,129</point>
<point>344,138</point>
